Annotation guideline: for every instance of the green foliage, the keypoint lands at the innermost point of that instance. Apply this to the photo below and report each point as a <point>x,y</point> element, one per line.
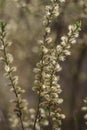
<point>79,24</point>
<point>3,26</point>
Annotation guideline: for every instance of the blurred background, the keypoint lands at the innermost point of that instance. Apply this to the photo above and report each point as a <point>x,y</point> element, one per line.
<point>24,19</point>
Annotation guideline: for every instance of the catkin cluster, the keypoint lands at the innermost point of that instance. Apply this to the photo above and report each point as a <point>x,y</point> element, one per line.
<point>21,114</point>
<point>84,109</point>
<point>7,58</point>
<point>46,81</point>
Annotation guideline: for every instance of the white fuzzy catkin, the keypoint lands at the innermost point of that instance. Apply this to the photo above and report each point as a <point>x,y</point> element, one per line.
<point>46,83</point>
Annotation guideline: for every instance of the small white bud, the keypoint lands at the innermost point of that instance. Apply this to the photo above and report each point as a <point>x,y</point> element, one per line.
<point>9,58</point>
<point>7,68</point>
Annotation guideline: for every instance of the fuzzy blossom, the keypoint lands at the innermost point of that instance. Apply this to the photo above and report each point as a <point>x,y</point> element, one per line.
<point>51,91</point>
<point>29,123</point>
<point>56,10</point>
<point>46,82</point>
<point>52,11</point>
<point>20,104</point>
<point>84,108</point>
<point>9,57</point>
<point>20,117</point>
<point>49,87</point>
<point>74,31</point>
<point>14,120</point>
<point>48,29</point>
<point>43,122</point>
<point>29,117</point>
<point>63,49</point>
